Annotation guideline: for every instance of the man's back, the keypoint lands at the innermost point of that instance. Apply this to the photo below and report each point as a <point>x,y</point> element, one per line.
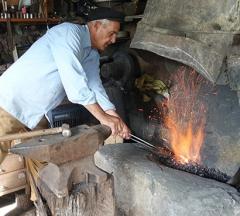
<point>32,85</point>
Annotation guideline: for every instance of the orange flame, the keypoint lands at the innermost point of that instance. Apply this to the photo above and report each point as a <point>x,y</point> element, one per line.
<point>186,116</point>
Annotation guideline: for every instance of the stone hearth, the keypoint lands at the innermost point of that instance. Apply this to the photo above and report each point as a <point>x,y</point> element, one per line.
<point>143,187</point>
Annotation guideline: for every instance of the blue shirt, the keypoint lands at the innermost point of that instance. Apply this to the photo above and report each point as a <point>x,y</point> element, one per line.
<point>62,62</point>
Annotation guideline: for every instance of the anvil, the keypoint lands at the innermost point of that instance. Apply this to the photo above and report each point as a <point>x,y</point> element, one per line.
<point>70,159</point>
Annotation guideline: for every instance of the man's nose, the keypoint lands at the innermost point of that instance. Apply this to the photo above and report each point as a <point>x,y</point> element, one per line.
<point>113,39</point>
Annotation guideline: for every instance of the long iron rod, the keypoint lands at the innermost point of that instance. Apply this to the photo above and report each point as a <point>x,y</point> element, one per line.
<point>141,141</point>
<point>144,144</point>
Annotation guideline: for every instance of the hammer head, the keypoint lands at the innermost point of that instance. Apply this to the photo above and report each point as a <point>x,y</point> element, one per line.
<point>66,131</point>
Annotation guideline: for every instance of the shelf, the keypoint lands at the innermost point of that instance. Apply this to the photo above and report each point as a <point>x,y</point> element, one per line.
<point>33,20</point>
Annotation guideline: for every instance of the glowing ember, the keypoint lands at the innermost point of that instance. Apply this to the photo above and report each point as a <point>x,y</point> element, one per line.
<point>186,116</point>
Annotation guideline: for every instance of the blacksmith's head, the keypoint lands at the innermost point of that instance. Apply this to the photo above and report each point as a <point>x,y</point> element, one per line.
<point>104,24</point>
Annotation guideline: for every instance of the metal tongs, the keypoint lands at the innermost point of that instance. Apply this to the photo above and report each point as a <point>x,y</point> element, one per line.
<point>143,142</point>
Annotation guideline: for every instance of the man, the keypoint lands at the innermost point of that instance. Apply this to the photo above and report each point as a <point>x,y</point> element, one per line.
<point>63,62</point>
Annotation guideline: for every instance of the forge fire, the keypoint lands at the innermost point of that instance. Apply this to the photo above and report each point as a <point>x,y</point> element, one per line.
<point>186,115</point>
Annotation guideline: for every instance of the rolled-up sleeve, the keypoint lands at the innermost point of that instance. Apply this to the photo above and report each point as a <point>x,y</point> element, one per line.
<point>67,51</point>
<point>91,66</point>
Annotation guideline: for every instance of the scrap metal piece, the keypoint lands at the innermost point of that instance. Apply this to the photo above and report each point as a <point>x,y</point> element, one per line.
<point>57,149</point>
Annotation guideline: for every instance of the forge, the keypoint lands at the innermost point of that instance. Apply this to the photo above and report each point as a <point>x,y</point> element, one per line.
<point>184,49</point>
<point>193,48</point>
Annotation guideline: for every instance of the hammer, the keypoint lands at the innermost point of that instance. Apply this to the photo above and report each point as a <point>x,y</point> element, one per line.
<point>64,129</point>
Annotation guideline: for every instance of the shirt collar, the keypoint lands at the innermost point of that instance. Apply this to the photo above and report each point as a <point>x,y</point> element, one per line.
<point>86,38</point>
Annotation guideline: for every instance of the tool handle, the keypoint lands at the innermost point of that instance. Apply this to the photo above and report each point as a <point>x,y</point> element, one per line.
<point>30,134</point>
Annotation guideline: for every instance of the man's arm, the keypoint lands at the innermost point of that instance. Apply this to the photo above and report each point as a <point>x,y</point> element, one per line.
<point>111,119</point>
<point>92,69</point>
<point>91,66</point>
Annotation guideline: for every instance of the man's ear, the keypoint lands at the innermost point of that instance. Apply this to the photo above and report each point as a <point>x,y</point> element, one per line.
<point>97,25</point>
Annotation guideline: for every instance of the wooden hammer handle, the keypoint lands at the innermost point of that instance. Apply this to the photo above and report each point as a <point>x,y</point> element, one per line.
<point>30,134</point>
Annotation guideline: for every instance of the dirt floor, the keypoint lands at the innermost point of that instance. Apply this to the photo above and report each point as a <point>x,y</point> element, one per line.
<point>7,204</point>
<point>15,204</point>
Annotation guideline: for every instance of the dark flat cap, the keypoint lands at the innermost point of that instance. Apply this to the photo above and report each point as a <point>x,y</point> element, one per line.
<point>105,13</point>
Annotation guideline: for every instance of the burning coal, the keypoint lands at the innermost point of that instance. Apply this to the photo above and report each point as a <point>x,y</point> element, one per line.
<point>165,157</point>
<point>186,116</point>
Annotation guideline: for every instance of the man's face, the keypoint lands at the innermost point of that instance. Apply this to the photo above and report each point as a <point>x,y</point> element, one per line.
<point>105,34</point>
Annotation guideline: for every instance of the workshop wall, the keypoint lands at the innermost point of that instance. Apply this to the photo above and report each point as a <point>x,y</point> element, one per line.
<point>24,36</point>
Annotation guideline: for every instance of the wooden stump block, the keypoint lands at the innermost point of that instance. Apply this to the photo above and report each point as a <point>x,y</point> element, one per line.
<point>84,200</point>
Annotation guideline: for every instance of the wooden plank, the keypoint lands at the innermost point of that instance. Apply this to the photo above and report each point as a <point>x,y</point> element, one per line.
<point>12,181</point>
<point>12,2</point>
<point>2,193</point>
<point>33,20</point>
<point>11,162</point>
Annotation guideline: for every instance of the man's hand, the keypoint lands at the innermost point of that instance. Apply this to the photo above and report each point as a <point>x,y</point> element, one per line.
<point>124,131</point>
<point>111,119</point>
